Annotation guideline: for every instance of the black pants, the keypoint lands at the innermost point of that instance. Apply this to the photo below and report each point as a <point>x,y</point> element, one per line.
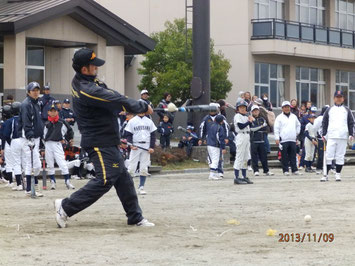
<point>320,150</point>
<point>288,156</point>
<point>110,171</point>
<point>165,141</point>
<point>258,151</point>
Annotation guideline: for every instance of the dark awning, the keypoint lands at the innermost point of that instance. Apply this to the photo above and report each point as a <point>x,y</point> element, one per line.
<point>18,16</point>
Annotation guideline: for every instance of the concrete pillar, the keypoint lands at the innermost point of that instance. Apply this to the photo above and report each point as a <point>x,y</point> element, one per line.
<point>292,82</point>
<point>330,14</point>
<point>291,10</point>
<point>100,51</point>
<point>15,61</point>
<point>115,71</point>
<point>330,80</point>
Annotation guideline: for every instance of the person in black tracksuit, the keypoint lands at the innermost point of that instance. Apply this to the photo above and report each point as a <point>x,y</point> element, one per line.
<point>165,129</point>
<point>96,108</point>
<point>258,150</point>
<point>45,103</point>
<point>66,113</point>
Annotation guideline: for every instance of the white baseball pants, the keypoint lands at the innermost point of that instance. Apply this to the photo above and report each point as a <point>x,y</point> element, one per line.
<point>214,154</point>
<point>55,152</point>
<point>309,146</point>
<point>27,156</point>
<point>242,143</point>
<point>141,156</point>
<point>336,149</point>
<point>9,158</point>
<point>19,155</point>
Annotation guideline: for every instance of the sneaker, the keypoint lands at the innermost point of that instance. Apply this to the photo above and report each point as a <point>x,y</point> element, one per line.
<point>52,185</point>
<point>239,181</point>
<point>3,181</point>
<point>247,180</point>
<point>75,177</point>
<point>318,172</point>
<point>10,185</point>
<point>69,185</point>
<point>220,175</point>
<point>286,173</point>
<point>141,191</point>
<point>324,178</point>
<point>269,173</point>
<point>337,177</point>
<point>60,216</point>
<point>89,176</point>
<point>249,168</point>
<point>145,223</point>
<point>214,176</point>
<point>300,168</point>
<point>37,194</point>
<point>309,170</point>
<point>333,171</point>
<point>256,174</point>
<point>17,188</point>
<point>297,173</point>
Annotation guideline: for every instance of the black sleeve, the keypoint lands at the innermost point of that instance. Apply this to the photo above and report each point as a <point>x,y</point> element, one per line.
<point>70,132</point>
<point>244,125</point>
<point>160,113</point>
<point>306,134</point>
<point>325,122</point>
<point>27,122</point>
<point>152,140</point>
<point>129,136</point>
<point>110,99</point>
<point>350,123</point>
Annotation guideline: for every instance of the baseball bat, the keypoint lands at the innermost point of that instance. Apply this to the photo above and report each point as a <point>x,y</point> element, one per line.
<point>324,158</point>
<point>139,147</point>
<point>44,174</point>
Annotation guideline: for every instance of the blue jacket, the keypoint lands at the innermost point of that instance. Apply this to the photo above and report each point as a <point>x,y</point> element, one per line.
<point>207,121</point>
<point>166,129</point>
<point>67,113</point>
<point>30,122</point>
<point>10,130</point>
<point>216,136</point>
<point>45,103</point>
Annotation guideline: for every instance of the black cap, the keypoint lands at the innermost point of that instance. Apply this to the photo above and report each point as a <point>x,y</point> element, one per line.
<point>339,94</point>
<point>66,101</point>
<point>53,106</point>
<point>85,57</point>
<point>33,85</point>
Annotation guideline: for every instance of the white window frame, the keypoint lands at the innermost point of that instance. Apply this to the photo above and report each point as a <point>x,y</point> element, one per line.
<point>299,6</point>
<point>339,13</point>
<point>342,84</point>
<point>266,3</point>
<point>310,82</point>
<point>277,79</point>
<point>36,67</point>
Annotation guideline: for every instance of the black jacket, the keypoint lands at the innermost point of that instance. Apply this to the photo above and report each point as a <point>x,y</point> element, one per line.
<point>164,104</point>
<point>57,131</point>
<point>67,113</point>
<point>165,129</point>
<point>96,108</point>
<point>258,135</point>
<point>45,103</point>
<point>30,122</point>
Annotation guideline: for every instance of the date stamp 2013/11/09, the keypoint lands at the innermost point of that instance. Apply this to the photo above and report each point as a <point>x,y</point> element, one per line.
<point>306,237</point>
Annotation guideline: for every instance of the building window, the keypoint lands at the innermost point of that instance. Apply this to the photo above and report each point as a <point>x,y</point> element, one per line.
<point>345,14</point>
<point>311,11</point>
<point>35,67</point>
<point>345,81</point>
<point>269,79</point>
<point>310,85</point>
<point>269,9</point>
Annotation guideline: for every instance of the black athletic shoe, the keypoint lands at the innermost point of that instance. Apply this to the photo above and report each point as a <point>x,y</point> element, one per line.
<point>309,170</point>
<point>248,181</point>
<point>239,181</point>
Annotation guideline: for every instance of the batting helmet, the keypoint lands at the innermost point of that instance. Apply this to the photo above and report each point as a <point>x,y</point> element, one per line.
<point>32,85</point>
<point>219,119</point>
<point>6,112</point>
<point>242,103</point>
<point>16,107</point>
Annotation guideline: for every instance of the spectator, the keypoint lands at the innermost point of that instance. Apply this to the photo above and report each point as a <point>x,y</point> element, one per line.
<point>45,103</point>
<point>222,107</point>
<point>303,110</point>
<point>286,129</point>
<point>294,108</point>
<point>189,140</point>
<point>266,103</point>
<point>66,113</point>
<point>58,104</point>
<point>165,129</point>
<point>164,104</point>
<point>308,105</point>
<point>145,98</point>
<point>247,97</point>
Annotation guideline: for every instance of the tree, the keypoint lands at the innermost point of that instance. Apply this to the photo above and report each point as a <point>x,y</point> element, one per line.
<point>168,68</point>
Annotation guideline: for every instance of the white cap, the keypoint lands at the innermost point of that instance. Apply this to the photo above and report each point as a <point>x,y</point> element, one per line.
<point>254,107</point>
<point>285,103</point>
<point>144,91</point>
<point>215,105</point>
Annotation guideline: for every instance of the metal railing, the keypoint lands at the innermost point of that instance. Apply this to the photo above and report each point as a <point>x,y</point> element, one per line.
<point>303,32</point>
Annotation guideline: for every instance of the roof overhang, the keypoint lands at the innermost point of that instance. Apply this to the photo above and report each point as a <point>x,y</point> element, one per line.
<point>116,31</point>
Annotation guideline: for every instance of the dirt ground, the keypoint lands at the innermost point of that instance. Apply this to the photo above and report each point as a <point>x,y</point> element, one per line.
<point>197,222</point>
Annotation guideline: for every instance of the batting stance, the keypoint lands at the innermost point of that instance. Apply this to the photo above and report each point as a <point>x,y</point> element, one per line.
<point>96,107</point>
<point>242,124</point>
<point>338,127</point>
